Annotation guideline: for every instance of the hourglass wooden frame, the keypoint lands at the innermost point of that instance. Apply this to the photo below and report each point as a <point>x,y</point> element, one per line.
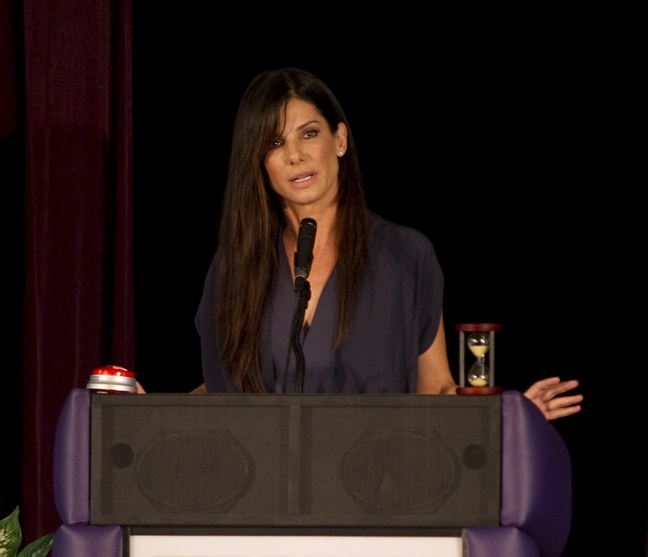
<point>491,329</point>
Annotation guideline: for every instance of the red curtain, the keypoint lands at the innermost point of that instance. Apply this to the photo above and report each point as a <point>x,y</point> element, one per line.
<point>78,310</point>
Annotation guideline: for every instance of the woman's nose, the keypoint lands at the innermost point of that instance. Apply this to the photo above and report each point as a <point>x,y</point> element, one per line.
<point>293,153</point>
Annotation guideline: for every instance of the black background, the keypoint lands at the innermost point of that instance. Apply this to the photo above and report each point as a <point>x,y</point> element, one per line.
<point>498,142</point>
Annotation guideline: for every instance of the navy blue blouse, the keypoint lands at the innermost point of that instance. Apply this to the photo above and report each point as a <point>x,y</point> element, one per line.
<point>395,320</point>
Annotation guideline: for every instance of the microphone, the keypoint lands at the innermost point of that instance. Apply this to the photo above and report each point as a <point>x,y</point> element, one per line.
<point>304,253</point>
<point>303,260</point>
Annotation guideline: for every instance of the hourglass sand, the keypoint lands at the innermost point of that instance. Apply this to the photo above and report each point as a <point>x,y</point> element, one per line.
<point>478,374</point>
<point>480,343</point>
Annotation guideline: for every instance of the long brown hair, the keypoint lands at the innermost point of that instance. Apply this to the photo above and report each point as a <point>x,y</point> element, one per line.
<point>251,220</point>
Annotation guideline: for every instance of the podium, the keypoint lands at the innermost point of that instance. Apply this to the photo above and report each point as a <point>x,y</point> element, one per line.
<point>478,475</point>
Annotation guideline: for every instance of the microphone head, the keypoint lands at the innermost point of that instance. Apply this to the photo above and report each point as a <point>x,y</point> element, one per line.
<point>305,242</point>
<point>308,228</point>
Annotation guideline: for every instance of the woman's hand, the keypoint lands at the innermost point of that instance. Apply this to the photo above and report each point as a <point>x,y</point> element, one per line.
<point>544,394</point>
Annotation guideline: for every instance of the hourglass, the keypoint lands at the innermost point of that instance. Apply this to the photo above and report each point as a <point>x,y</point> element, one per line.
<point>480,342</point>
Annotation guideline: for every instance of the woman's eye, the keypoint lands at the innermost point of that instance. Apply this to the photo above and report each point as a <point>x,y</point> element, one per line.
<point>310,133</point>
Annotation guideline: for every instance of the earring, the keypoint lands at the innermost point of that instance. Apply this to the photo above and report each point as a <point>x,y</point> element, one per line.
<point>340,153</point>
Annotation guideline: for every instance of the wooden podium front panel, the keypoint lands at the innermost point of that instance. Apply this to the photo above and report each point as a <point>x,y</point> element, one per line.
<point>283,461</point>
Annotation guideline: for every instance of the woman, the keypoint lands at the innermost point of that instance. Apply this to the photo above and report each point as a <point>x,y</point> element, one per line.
<point>374,318</point>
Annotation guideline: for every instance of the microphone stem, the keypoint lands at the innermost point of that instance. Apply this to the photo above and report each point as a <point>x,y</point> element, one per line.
<point>302,290</point>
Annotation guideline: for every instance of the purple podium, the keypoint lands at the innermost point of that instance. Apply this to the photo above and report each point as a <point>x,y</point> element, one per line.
<point>487,471</point>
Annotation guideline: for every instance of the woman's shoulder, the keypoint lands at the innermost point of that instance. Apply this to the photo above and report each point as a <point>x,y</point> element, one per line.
<point>404,249</point>
<point>391,233</point>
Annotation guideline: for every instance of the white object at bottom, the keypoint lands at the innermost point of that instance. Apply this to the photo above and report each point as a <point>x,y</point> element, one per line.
<point>294,546</point>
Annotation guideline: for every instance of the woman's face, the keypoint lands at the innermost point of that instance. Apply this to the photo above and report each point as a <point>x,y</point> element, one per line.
<point>303,162</point>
